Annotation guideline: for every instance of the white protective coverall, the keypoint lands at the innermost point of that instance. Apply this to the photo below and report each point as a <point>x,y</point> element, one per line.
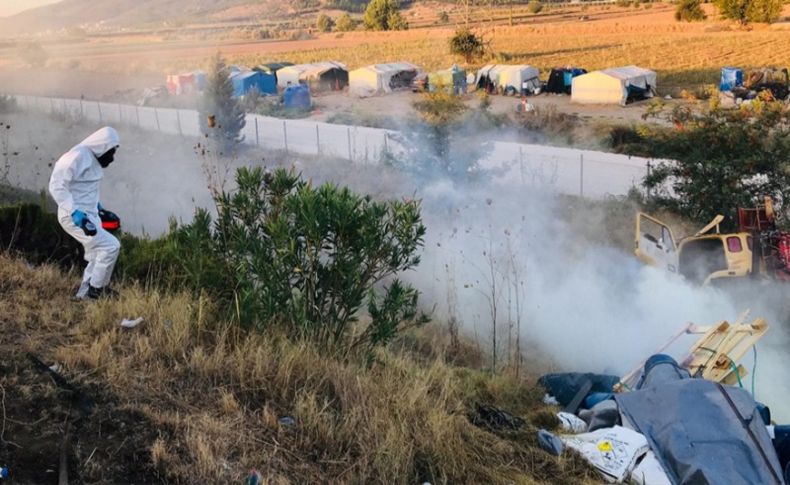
<point>74,185</point>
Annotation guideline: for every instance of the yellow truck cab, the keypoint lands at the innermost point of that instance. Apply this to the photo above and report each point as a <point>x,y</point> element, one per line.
<point>703,258</point>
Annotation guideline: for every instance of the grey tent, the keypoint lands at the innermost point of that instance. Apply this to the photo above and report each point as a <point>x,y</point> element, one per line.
<point>700,431</point>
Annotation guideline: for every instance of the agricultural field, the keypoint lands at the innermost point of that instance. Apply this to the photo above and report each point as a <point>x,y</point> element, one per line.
<point>684,54</point>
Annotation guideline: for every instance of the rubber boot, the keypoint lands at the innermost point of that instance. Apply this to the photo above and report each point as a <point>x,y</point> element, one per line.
<point>96,293</point>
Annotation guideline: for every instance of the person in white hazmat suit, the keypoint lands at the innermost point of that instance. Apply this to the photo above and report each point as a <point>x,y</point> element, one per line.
<point>74,185</point>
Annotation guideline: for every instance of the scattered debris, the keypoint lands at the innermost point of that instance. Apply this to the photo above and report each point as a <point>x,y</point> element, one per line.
<point>667,422</point>
<point>550,400</point>
<point>254,478</point>
<point>714,356</point>
<point>550,443</point>
<point>287,421</point>
<point>565,386</point>
<point>613,451</point>
<point>571,423</point>
<point>602,415</point>
<point>127,323</point>
<point>648,471</point>
<point>700,428</point>
<point>487,416</point>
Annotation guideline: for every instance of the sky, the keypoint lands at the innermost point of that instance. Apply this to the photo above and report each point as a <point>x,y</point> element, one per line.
<point>11,7</point>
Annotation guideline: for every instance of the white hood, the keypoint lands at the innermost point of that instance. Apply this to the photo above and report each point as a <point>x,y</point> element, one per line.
<point>101,141</point>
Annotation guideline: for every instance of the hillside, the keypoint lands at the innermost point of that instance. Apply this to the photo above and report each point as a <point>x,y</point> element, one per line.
<point>187,398</point>
<point>12,7</point>
<point>114,13</point>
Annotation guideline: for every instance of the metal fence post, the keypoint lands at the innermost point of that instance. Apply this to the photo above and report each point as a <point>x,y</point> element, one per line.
<point>156,114</point>
<point>285,137</point>
<point>98,107</point>
<point>137,112</point>
<point>257,138</point>
<point>350,156</point>
<point>178,119</point>
<point>317,141</point>
<point>648,177</point>
<point>581,175</point>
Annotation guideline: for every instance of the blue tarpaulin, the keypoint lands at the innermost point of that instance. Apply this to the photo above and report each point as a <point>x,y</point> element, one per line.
<point>700,431</point>
<point>243,82</point>
<point>297,96</point>
<point>731,77</point>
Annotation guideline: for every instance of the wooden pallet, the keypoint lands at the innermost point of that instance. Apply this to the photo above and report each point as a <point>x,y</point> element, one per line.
<point>716,353</point>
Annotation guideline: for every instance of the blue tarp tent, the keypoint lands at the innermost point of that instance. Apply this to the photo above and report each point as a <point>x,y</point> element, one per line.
<point>297,96</point>
<point>244,81</point>
<point>731,77</point>
<point>200,80</point>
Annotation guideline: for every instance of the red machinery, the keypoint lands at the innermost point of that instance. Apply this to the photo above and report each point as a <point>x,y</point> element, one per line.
<point>770,246</point>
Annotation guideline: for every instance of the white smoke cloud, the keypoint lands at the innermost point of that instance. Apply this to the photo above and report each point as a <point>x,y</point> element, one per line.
<point>587,306</point>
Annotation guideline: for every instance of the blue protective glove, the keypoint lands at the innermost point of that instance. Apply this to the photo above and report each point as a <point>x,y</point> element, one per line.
<point>78,217</point>
<point>81,220</point>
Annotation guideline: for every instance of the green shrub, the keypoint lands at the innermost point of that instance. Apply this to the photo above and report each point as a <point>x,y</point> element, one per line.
<point>549,121</point>
<point>689,11</point>
<point>744,11</point>
<point>324,23</point>
<point>384,15</point>
<point>345,23</point>
<point>282,252</point>
<point>448,141</point>
<point>535,6</point>
<point>465,43</point>
<point>30,230</point>
<point>725,159</point>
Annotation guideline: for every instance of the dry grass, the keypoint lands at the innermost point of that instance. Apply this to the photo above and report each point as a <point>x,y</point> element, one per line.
<point>205,399</point>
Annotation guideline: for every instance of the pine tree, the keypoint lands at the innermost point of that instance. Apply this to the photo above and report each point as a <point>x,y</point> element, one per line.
<point>222,116</point>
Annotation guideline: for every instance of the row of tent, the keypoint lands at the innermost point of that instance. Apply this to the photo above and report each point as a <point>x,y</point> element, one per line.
<point>267,78</point>
<point>608,86</point>
<point>618,85</point>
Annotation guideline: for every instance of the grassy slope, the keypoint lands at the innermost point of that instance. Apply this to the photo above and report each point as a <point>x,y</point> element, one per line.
<point>185,397</point>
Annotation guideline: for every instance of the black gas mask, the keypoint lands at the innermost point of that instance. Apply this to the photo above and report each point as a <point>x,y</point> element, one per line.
<point>106,159</point>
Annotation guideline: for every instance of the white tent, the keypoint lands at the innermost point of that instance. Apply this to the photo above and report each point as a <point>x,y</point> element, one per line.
<point>518,78</point>
<point>301,72</point>
<point>508,78</point>
<point>381,78</point>
<point>613,86</point>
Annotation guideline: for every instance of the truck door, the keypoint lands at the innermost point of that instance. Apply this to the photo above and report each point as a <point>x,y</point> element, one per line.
<point>655,244</point>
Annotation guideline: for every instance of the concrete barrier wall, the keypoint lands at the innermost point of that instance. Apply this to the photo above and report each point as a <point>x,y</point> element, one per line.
<point>565,170</point>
